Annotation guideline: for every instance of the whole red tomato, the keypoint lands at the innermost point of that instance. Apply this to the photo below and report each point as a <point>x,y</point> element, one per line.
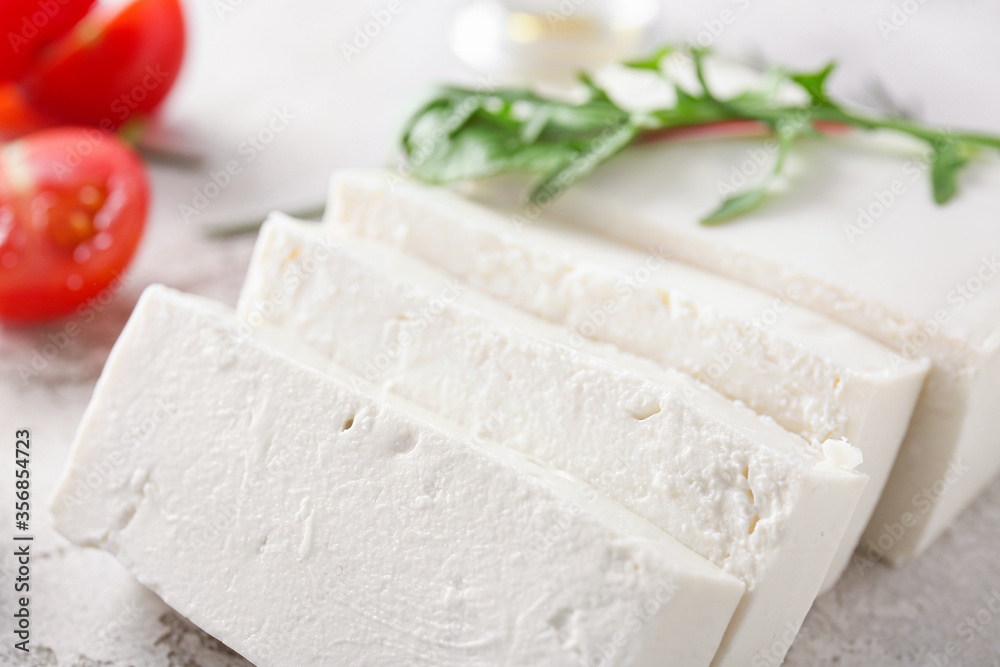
<point>116,65</point>
<point>73,204</point>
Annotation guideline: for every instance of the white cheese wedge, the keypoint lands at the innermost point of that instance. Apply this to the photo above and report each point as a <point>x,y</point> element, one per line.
<point>859,238</point>
<point>815,377</point>
<point>304,522</point>
<point>736,488</point>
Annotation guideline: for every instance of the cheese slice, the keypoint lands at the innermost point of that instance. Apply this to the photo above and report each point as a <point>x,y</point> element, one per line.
<point>304,522</point>
<point>858,238</point>
<point>815,377</point>
<point>736,488</point>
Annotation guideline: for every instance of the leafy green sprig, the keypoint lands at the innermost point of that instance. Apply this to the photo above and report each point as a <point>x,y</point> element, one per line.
<point>464,133</point>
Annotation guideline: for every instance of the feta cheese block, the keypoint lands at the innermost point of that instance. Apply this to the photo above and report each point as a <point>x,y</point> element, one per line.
<point>736,488</point>
<point>857,238</point>
<point>304,522</point>
<point>815,377</point>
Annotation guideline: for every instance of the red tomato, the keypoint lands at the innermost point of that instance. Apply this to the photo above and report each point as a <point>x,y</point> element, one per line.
<point>73,205</point>
<point>17,117</point>
<point>26,26</point>
<point>115,66</point>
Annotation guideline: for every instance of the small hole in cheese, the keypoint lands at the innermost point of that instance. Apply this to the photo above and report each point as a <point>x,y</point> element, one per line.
<point>646,412</point>
<point>746,473</point>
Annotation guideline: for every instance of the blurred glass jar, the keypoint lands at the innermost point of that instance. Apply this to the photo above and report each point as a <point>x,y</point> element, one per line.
<point>550,40</point>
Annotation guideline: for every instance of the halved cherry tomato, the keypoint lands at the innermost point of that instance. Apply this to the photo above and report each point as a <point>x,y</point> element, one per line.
<point>116,65</point>
<point>73,204</point>
<point>27,26</point>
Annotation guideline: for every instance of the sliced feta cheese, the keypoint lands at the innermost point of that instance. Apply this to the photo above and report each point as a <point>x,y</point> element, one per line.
<point>860,239</point>
<point>815,377</point>
<point>304,522</point>
<point>736,488</point>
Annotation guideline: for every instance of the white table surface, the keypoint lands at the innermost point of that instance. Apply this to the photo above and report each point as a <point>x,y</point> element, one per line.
<point>87,611</point>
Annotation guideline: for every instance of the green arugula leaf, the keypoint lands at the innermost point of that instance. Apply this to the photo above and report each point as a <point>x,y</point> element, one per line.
<point>814,83</point>
<point>788,129</point>
<point>479,152</point>
<point>596,93</point>
<point>535,125</point>
<point>438,120</point>
<point>947,161</point>
<point>653,60</point>
<point>583,121</point>
<point>698,56</point>
<point>735,206</point>
<point>582,164</point>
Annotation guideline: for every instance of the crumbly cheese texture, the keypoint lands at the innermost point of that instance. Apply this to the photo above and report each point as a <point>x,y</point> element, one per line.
<point>815,377</point>
<point>860,239</point>
<point>734,487</point>
<point>304,522</point>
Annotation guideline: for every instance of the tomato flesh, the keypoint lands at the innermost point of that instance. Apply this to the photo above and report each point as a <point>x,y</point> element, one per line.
<point>116,65</point>
<point>73,205</point>
<point>28,26</point>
